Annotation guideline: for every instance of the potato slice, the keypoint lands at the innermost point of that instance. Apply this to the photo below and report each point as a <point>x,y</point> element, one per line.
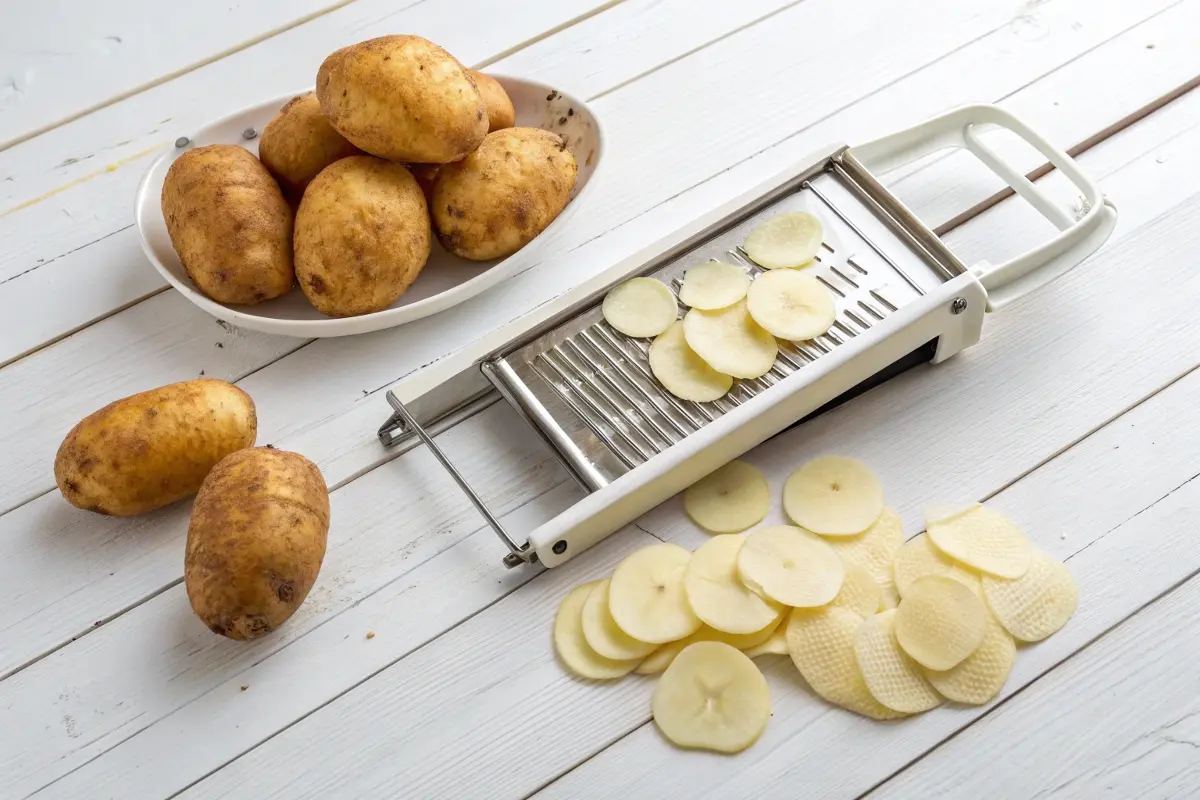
<point>786,241</point>
<point>833,496</point>
<point>918,558</point>
<point>646,594</point>
<point>790,566</point>
<point>776,645</point>
<point>713,285</point>
<point>712,697</point>
<point>940,622</point>
<point>985,539</point>
<point>981,675</point>
<point>640,307</point>
<point>730,341</point>
<point>875,548</point>
<point>860,592</point>
<point>892,677</point>
<point>730,499</point>
<point>1036,604</point>
<point>661,658</point>
<point>602,633</point>
<point>791,305</point>
<point>889,597</point>
<point>571,645</point>
<point>821,644</point>
<point>718,595</point>
<point>682,372</point>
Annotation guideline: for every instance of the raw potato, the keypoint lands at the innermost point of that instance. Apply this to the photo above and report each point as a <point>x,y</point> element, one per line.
<point>299,142</point>
<point>640,307</point>
<point>984,539</point>
<point>498,198</point>
<point>719,597</point>
<point>730,341</point>
<point>571,645</point>
<point>255,541</point>
<point>891,676</point>
<point>153,448</point>
<point>682,372</point>
<point>859,593</point>
<point>1038,603</point>
<point>787,241</point>
<point>646,594</point>
<point>774,646</point>
<point>661,658</point>
<point>889,596</point>
<point>730,499</point>
<point>875,548</point>
<point>713,285</point>
<point>500,111</point>
<point>601,631</point>
<point>403,98</point>
<point>918,558</point>
<point>833,496</point>
<point>940,622</point>
<point>981,675</point>
<point>791,305</point>
<point>790,566</point>
<point>362,236</point>
<point>712,697</point>
<point>229,224</point>
<point>425,175</point>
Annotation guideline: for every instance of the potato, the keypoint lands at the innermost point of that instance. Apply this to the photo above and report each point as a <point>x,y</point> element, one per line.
<point>494,201</point>
<point>499,107</point>
<point>299,142</point>
<point>425,175</point>
<point>256,541</point>
<point>403,98</point>
<point>362,236</point>
<point>229,224</point>
<point>151,449</point>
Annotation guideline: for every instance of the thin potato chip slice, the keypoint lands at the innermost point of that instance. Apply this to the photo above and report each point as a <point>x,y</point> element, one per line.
<point>918,558</point>
<point>1036,604</point>
<point>985,539</point>
<point>571,645</point>
<point>602,633</point>
<point>940,622</point>
<point>892,677</point>
<point>889,597</point>
<point>718,596</point>
<point>833,496</point>
<point>790,566</point>
<point>712,697</point>
<point>661,658</point>
<point>730,341</point>
<point>860,593</point>
<point>640,307</point>
<point>774,646</point>
<point>875,548</point>
<point>713,285</point>
<point>646,594</point>
<point>981,675</point>
<point>786,241</point>
<point>728,500</point>
<point>791,305</point>
<point>682,372</point>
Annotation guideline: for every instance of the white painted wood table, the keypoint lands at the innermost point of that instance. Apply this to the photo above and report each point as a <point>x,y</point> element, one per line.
<point>1078,414</point>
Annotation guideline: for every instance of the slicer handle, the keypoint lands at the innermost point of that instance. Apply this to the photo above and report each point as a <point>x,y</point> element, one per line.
<point>1077,238</point>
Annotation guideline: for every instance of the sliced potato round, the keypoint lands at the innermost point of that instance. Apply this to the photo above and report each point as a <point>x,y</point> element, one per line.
<point>940,622</point>
<point>791,305</point>
<point>786,241</point>
<point>682,372</point>
<point>661,658</point>
<point>776,645</point>
<point>860,592</point>
<point>717,594</point>
<point>730,341</point>
<point>712,697</point>
<point>602,633</point>
<point>985,539</point>
<point>833,496</point>
<point>918,558</point>
<point>646,594</point>
<point>730,499</point>
<point>889,597</point>
<point>713,285</point>
<point>790,566</point>
<point>571,645</point>
<point>875,548</point>
<point>640,307</point>
<point>1036,604</point>
<point>981,675</point>
<point>821,644</point>
<point>892,677</point>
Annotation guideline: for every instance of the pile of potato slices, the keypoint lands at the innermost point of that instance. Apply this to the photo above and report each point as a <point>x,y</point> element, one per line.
<point>733,321</point>
<point>880,626</point>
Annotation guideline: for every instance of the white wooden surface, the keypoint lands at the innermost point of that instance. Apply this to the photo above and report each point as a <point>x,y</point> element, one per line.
<point>1077,412</point>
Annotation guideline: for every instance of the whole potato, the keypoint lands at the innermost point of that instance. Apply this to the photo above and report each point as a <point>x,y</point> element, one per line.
<point>153,448</point>
<point>499,107</point>
<point>494,201</point>
<point>299,142</point>
<point>403,98</point>
<point>229,224</point>
<point>362,236</point>
<point>425,174</point>
<point>256,541</point>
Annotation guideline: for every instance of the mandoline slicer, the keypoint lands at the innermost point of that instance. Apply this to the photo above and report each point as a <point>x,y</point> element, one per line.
<point>902,298</point>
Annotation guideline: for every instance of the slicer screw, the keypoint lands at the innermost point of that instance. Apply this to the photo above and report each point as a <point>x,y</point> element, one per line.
<point>182,141</point>
<point>249,134</point>
<point>958,306</point>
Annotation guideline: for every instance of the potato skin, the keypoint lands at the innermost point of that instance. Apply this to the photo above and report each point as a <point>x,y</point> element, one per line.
<point>403,98</point>
<point>229,224</point>
<point>151,449</point>
<point>255,541</point>
<point>497,199</point>
<point>362,236</point>
<point>299,142</point>
<point>499,106</point>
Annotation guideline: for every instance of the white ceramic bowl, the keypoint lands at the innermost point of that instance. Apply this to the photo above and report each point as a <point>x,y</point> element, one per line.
<point>446,280</point>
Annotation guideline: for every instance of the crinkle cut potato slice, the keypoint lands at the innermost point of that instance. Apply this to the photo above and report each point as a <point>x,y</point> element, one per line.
<point>940,622</point>
<point>786,241</point>
<point>713,285</point>
<point>860,592</point>
<point>572,647</point>
<point>790,566</point>
<point>791,305</point>
<point>833,496</point>
<point>892,677</point>
<point>730,499</point>
<point>981,675</point>
<point>718,596</point>
<point>730,341</point>
<point>875,548</point>
<point>646,595</point>
<point>985,539</point>
<point>682,372</point>
<point>918,558</point>
<point>602,633</point>
<point>1036,604</point>
<point>640,307</point>
<point>712,697</point>
<point>661,658</point>
<point>776,645</point>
